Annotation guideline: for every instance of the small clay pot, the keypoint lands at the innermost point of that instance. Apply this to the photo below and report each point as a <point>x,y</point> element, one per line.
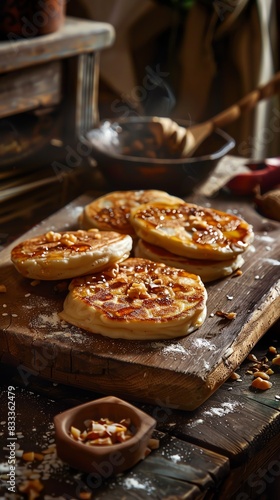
<point>30,18</point>
<point>115,458</point>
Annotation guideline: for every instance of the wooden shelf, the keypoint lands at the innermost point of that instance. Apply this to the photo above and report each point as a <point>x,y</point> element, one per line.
<point>55,72</point>
<point>77,36</point>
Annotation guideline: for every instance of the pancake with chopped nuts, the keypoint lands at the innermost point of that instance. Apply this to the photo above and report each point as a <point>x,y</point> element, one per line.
<point>137,299</point>
<point>208,270</point>
<point>192,231</point>
<point>111,212</point>
<point>62,255</point>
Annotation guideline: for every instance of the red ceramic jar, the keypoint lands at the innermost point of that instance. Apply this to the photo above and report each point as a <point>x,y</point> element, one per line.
<point>30,18</point>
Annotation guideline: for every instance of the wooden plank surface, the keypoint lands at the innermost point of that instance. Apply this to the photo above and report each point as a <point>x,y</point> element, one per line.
<point>175,468</point>
<point>245,466</point>
<point>181,373</point>
<point>35,87</point>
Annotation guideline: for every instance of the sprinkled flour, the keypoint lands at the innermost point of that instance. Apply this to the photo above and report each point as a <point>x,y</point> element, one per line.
<point>262,237</point>
<point>273,262</point>
<point>204,344</point>
<point>175,458</point>
<point>171,349</point>
<point>224,409</point>
<point>58,328</point>
<point>134,483</point>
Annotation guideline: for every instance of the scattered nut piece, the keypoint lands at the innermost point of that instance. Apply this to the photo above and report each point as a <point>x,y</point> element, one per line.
<point>235,376</point>
<point>256,368</point>
<point>85,495</point>
<point>226,315</point>
<point>264,367</point>
<point>3,289</point>
<point>153,444</point>
<point>29,456</point>
<point>269,371</point>
<point>272,349</point>
<point>259,383</point>
<point>35,282</point>
<point>37,485</point>
<point>252,357</point>
<point>32,488</point>
<point>276,360</point>
<point>238,272</point>
<point>262,375</point>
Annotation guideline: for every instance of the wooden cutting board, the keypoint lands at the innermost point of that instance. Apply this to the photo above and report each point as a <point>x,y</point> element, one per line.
<point>180,373</point>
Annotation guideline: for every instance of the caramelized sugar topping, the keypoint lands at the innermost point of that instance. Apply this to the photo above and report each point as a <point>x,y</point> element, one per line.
<point>141,290</point>
<point>53,245</point>
<point>116,218</point>
<point>204,226</point>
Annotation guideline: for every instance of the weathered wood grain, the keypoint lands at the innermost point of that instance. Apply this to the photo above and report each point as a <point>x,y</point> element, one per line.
<point>34,88</point>
<point>179,374</point>
<point>229,424</point>
<point>260,476</point>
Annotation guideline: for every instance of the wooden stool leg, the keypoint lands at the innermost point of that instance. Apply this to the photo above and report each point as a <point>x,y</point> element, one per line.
<point>88,92</point>
<point>80,109</point>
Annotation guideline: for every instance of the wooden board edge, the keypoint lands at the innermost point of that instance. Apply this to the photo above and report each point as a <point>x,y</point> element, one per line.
<point>261,320</point>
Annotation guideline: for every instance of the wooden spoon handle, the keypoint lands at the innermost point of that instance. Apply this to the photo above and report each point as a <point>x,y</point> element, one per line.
<point>247,102</point>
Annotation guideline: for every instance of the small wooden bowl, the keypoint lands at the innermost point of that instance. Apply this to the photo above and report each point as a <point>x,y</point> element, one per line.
<point>116,457</point>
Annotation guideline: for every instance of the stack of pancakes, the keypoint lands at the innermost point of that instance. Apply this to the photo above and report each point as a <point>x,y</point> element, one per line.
<point>157,294</point>
<point>111,212</point>
<point>202,241</point>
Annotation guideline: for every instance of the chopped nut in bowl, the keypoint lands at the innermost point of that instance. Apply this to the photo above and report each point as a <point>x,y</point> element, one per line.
<point>105,431</point>
<point>130,154</point>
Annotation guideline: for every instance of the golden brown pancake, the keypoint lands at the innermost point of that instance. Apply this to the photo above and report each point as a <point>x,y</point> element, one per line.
<point>192,231</point>
<point>137,300</point>
<point>111,212</point>
<point>208,270</point>
<point>62,255</point>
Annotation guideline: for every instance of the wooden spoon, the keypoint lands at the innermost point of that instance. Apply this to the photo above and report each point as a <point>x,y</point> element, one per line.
<point>183,142</point>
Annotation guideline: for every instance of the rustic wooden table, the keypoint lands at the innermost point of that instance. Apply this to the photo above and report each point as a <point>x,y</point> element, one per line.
<point>226,448</point>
